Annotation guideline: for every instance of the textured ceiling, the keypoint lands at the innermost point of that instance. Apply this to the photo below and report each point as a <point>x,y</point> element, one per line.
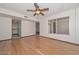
<point>53,8</point>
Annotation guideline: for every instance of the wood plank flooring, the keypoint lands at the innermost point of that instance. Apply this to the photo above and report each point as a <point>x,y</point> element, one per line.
<point>35,45</point>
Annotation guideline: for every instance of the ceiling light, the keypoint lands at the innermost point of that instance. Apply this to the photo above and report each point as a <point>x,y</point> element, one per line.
<point>38,12</point>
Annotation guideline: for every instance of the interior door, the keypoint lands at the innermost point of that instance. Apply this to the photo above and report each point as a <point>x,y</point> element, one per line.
<point>37,28</point>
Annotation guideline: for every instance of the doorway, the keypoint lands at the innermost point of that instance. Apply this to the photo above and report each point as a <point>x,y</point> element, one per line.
<point>16,28</point>
<point>37,28</point>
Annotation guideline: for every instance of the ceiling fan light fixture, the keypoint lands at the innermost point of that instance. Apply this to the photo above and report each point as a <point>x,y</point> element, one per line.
<point>37,12</point>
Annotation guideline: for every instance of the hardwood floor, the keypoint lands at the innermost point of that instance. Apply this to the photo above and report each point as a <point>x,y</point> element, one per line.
<point>35,45</point>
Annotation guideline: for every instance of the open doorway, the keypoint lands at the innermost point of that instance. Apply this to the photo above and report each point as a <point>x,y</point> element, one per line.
<point>16,28</point>
<point>37,28</point>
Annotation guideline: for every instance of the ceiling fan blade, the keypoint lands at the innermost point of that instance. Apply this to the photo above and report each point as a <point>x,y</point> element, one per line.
<point>45,9</point>
<point>31,10</point>
<point>36,6</point>
<point>42,14</point>
<point>34,14</point>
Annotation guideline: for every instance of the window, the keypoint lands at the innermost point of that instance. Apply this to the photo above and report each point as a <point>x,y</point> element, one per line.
<point>59,25</point>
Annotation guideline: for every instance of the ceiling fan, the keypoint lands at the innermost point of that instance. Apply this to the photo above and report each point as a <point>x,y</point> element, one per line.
<point>38,10</point>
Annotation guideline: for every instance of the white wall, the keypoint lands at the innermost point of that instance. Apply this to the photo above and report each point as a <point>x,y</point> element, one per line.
<point>5,28</point>
<point>70,37</point>
<point>77,25</point>
<point>28,28</point>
